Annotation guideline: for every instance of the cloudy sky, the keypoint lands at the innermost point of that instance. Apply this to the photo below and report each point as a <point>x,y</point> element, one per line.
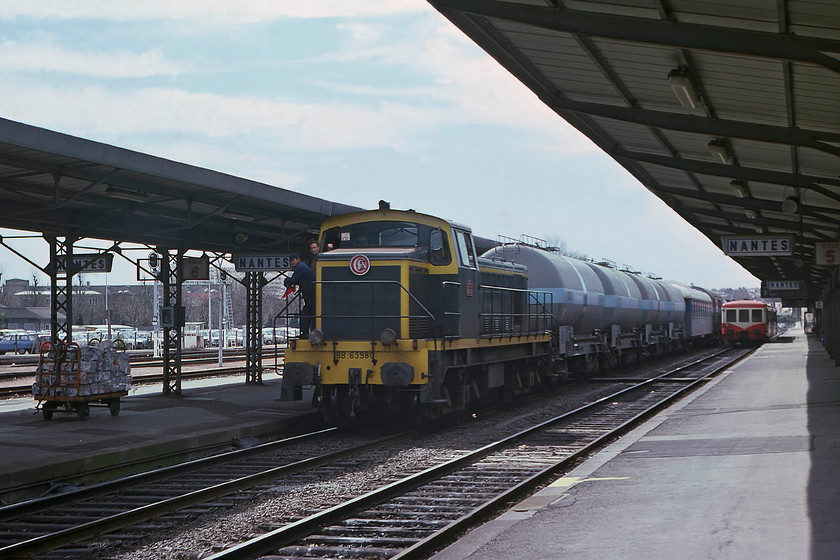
<point>343,100</point>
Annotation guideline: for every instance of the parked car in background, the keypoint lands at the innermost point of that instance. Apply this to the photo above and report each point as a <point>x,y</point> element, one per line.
<point>19,343</point>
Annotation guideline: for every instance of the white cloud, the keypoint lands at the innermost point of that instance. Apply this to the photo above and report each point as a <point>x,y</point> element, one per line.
<point>38,57</point>
<point>208,12</point>
<point>97,112</point>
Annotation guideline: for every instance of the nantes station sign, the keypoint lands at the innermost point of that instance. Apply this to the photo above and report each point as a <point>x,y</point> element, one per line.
<point>759,246</point>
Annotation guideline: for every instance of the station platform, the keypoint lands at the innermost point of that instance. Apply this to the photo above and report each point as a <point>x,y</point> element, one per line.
<point>148,429</point>
<point>746,468</point>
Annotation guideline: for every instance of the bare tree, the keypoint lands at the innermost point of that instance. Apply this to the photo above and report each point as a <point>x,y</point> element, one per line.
<point>559,246</point>
<point>32,299</point>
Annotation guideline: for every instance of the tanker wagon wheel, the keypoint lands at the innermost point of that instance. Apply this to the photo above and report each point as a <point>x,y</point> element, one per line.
<point>114,406</point>
<point>84,411</point>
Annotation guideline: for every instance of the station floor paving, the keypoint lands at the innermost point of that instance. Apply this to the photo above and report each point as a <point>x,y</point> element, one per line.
<point>746,468</point>
<point>149,426</point>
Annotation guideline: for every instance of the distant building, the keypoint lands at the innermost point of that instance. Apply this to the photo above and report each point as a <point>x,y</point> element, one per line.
<point>25,318</point>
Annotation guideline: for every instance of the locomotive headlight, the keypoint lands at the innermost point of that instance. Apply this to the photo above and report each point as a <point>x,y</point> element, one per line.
<point>388,337</point>
<point>316,337</point>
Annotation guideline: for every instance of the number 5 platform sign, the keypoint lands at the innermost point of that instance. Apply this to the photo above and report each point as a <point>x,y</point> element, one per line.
<point>827,253</point>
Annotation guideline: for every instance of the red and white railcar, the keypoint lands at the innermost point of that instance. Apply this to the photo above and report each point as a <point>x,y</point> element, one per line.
<point>748,321</point>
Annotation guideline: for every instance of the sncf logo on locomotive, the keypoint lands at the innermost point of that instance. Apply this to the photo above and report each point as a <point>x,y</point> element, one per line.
<point>359,265</point>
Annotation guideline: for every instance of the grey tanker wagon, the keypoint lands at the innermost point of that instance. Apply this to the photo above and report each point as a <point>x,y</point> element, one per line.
<point>615,315</point>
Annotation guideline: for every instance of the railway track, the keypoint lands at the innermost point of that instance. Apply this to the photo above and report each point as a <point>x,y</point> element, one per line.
<point>406,518</point>
<point>19,381</point>
<point>165,495</point>
<point>415,516</point>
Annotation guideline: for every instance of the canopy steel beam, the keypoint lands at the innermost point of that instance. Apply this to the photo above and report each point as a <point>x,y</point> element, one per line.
<point>650,31</point>
<point>705,125</point>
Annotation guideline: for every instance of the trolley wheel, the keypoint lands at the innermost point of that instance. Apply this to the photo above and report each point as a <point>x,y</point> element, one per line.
<point>84,411</point>
<point>114,406</point>
<point>48,410</point>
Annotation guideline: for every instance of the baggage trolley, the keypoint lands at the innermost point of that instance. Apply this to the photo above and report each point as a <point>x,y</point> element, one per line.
<point>59,379</point>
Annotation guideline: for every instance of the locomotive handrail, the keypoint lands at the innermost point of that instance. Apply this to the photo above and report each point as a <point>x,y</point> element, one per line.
<point>427,314</point>
<point>546,310</point>
<point>540,319</point>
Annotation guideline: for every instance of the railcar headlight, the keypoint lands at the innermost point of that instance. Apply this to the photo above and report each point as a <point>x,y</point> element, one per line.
<point>316,337</point>
<point>388,337</point>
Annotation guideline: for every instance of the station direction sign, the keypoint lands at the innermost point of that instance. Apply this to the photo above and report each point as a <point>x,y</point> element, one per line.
<point>758,246</point>
<point>262,263</point>
<point>87,263</point>
<point>783,288</point>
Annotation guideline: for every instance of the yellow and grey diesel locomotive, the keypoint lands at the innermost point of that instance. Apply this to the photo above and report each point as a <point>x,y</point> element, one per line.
<point>411,320</point>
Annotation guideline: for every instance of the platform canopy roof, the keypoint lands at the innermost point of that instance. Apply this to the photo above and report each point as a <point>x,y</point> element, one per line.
<point>75,188</point>
<point>727,111</point>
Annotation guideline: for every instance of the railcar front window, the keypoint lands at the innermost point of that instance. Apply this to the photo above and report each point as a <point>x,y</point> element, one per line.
<point>744,315</point>
<point>756,316</point>
<point>731,315</point>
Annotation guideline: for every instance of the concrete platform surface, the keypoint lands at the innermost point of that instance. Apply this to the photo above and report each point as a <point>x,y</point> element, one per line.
<point>747,468</point>
<point>149,425</point>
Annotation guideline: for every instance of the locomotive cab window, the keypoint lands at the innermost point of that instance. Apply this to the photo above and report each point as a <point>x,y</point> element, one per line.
<point>374,234</point>
<point>466,252</point>
<point>439,248</point>
<point>429,242</point>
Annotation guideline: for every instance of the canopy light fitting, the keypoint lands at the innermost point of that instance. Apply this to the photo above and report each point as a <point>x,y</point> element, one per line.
<point>740,188</point>
<point>237,216</point>
<point>719,151</point>
<point>680,82</point>
<point>126,194</point>
<point>790,205</point>
<point>750,213</point>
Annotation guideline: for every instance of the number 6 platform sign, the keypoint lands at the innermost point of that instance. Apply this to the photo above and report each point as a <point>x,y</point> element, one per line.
<point>195,268</point>
<point>828,253</point>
